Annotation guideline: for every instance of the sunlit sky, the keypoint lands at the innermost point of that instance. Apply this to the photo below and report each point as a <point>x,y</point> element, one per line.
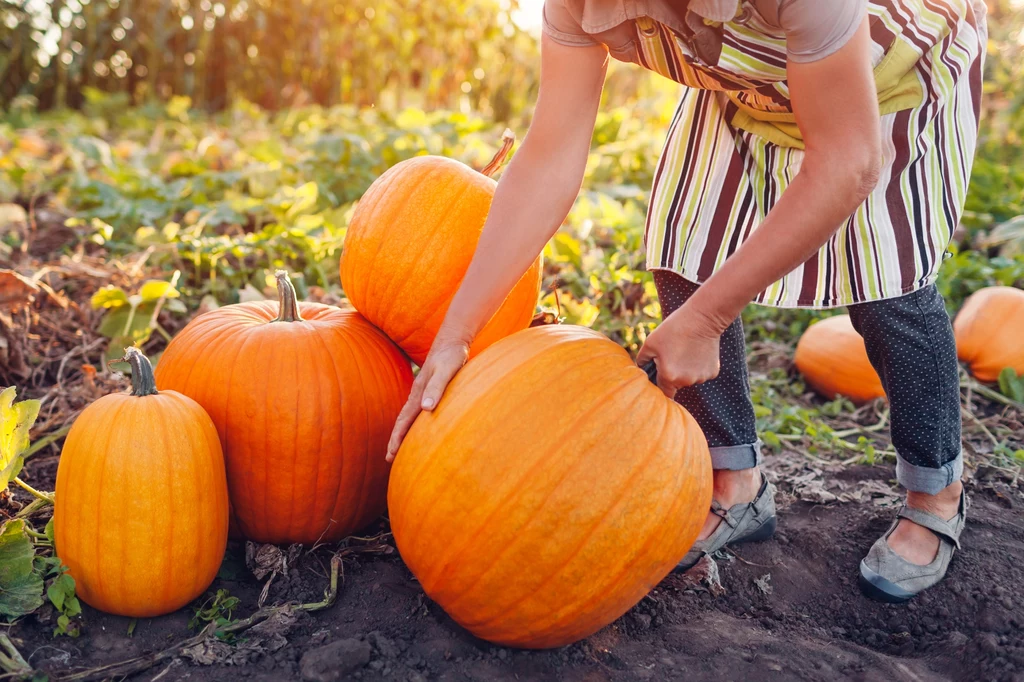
<point>529,14</point>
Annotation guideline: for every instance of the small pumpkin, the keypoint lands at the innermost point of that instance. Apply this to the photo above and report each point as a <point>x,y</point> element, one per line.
<point>989,331</point>
<point>832,357</point>
<point>141,508</point>
<point>550,490</point>
<point>409,243</point>
<point>304,397</point>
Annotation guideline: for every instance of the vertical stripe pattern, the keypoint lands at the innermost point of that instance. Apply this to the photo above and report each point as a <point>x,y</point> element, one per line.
<point>715,183</point>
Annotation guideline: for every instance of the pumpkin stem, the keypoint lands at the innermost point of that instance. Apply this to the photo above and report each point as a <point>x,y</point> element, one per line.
<point>508,138</point>
<point>288,299</point>
<point>143,383</point>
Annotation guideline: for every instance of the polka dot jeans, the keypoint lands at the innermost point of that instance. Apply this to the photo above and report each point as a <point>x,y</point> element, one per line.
<point>910,343</point>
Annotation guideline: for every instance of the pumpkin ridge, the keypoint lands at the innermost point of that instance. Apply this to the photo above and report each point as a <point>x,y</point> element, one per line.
<point>195,549</point>
<point>513,494</point>
<point>415,278</point>
<point>321,430</point>
<point>201,338</point>
<point>623,489</point>
<point>571,610</point>
<point>470,372</point>
<point>386,180</point>
<point>375,295</point>
<point>343,470</point>
<point>172,513</point>
<point>449,431</point>
<point>297,358</point>
<point>102,595</point>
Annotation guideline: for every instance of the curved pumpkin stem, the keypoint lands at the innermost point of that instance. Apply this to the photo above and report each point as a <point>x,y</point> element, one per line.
<point>143,382</point>
<point>508,138</point>
<point>288,299</point>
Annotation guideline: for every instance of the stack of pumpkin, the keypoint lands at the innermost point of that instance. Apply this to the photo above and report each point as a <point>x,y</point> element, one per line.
<point>535,504</point>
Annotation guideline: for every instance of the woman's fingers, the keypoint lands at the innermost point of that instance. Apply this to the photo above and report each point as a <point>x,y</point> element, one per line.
<point>437,372</point>
<point>435,388</point>
<point>407,416</point>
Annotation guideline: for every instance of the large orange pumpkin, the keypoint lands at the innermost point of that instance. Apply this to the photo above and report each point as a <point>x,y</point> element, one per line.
<point>550,490</point>
<point>304,397</point>
<point>409,243</point>
<point>832,358</point>
<point>989,332</point>
<point>141,509</point>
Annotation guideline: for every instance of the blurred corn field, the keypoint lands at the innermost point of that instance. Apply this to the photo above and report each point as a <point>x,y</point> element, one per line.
<point>451,54</point>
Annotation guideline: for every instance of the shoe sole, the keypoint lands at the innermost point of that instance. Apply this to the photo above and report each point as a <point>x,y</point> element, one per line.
<point>764,532</point>
<point>881,589</point>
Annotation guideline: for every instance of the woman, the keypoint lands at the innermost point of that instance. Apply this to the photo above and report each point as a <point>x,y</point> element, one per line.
<point>819,158</point>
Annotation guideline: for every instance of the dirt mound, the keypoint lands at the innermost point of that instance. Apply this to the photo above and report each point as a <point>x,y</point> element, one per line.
<point>788,609</point>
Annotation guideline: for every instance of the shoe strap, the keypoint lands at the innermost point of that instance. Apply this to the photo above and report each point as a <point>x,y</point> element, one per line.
<point>723,513</point>
<point>946,530</point>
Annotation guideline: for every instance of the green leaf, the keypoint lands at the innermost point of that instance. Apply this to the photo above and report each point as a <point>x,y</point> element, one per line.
<point>16,419</point>
<point>56,595</point>
<point>21,588</point>
<point>1011,385</point>
<point>109,297</point>
<point>48,531</point>
<point>72,606</point>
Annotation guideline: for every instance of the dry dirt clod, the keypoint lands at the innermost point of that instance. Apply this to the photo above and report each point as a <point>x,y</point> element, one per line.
<point>333,662</point>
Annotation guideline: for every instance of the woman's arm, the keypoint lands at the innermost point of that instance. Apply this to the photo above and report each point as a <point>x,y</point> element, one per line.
<point>535,194</point>
<point>836,109</point>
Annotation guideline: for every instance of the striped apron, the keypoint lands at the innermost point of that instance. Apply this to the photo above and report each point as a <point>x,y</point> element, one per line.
<point>733,148</point>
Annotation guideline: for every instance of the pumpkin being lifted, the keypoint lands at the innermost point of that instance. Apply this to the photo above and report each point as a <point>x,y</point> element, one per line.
<point>141,509</point>
<point>408,246</point>
<point>304,397</point>
<point>550,490</point>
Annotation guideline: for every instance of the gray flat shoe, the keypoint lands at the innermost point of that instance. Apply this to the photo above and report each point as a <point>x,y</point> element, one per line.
<point>888,577</point>
<point>744,522</point>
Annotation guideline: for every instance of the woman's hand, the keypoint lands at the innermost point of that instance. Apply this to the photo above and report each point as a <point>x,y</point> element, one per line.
<point>442,364</point>
<point>685,349</point>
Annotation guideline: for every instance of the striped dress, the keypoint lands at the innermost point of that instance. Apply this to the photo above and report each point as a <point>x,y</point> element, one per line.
<point>733,147</point>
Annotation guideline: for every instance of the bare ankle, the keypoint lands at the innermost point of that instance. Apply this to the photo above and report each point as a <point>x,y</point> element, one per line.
<point>944,504</point>
<point>740,485</point>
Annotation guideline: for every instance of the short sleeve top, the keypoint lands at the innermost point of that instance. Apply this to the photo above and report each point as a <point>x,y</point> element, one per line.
<point>814,29</point>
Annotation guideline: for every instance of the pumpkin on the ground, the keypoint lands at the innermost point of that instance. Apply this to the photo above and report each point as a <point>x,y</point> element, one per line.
<point>550,490</point>
<point>832,358</point>
<point>409,243</point>
<point>141,508</point>
<point>304,397</point>
<point>989,331</point>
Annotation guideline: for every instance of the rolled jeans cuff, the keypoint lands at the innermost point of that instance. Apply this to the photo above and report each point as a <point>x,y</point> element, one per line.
<point>929,480</point>
<point>736,457</point>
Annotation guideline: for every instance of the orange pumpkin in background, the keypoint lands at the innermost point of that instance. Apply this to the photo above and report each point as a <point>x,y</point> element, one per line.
<point>550,490</point>
<point>304,397</point>
<point>832,358</point>
<point>141,508</point>
<point>989,331</point>
<point>409,243</point>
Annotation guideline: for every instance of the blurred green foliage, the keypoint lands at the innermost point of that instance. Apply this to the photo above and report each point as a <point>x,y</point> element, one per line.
<point>239,161</point>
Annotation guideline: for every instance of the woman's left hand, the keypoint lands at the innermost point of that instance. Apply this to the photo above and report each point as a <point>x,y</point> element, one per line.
<point>685,349</point>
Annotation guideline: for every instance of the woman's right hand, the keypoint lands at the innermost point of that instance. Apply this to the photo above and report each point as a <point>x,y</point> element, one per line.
<point>442,364</point>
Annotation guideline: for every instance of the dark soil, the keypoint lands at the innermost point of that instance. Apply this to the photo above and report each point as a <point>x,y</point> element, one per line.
<point>806,621</point>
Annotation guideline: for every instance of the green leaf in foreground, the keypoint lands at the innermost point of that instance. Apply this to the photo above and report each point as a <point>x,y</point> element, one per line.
<point>15,421</point>
<point>21,588</point>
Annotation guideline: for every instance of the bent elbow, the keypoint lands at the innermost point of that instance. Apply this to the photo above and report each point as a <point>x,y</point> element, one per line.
<point>866,172</point>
